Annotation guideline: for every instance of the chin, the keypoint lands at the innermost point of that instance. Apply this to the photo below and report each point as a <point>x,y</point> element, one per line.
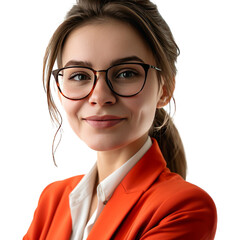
<point>104,145</point>
<point>101,147</point>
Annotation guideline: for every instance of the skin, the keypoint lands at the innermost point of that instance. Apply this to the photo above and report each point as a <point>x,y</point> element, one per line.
<point>99,44</point>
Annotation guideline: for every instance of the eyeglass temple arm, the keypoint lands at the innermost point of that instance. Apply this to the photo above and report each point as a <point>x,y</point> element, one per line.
<point>156,68</point>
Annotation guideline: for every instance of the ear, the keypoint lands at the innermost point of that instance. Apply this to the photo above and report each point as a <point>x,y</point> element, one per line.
<point>59,96</point>
<point>165,94</point>
<point>164,97</point>
<point>57,93</point>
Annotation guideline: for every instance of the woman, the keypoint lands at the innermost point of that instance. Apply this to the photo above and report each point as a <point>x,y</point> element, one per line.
<point>116,72</point>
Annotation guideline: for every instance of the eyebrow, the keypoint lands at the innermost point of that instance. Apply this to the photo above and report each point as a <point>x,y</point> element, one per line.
<point>126,59</point>
<point>114,62</point>
<point>78,63</point>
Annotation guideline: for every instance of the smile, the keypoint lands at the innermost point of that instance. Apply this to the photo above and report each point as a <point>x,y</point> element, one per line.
<point>101,122</point>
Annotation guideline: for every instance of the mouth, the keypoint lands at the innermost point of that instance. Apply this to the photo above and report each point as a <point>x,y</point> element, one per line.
<point>101,122</point>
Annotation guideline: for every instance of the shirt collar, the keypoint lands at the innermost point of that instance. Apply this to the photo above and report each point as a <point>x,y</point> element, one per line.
<point>84,187</point>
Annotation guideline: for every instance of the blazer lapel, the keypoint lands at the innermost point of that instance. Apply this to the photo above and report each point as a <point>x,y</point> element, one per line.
<point>136,182</point>
<point>113,214</point>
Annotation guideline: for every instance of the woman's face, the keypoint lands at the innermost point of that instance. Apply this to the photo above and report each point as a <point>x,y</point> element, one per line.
<point>103,120</point>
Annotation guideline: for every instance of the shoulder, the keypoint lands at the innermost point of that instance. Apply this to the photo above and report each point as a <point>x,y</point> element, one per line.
<point>65,183</point>
<point>58,188</point>
<point>174,184</point>
<point>176,201</point>
<point>174,190</point>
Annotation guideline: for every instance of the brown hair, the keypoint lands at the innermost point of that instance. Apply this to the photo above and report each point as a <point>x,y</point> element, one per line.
<point>144,16</point>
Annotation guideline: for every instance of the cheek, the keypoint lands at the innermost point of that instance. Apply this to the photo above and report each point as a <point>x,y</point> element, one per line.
<point>72,111</point>
<point>146,115</point>
<point>144,107</point>
<point>142,112</point>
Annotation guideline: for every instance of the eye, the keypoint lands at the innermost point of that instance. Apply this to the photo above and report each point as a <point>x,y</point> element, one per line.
<point>79,76</point>
<point>127,74</point>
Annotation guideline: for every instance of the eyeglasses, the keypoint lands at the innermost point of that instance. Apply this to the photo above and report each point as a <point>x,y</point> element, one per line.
<point>124,79</point>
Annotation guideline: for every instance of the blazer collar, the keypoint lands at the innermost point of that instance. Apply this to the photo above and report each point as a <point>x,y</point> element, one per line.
<point>138,180</point>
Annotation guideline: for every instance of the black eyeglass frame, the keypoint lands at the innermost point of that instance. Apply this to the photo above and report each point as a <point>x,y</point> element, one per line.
<point>145,66</point>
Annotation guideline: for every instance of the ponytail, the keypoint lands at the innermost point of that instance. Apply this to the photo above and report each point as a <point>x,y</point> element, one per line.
<point>169,141</point>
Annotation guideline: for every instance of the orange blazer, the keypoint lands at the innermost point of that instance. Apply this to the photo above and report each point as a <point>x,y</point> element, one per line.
<point>150,203</point>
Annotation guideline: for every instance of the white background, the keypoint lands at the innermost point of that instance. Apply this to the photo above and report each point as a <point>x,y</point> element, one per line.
<point>207,96</point>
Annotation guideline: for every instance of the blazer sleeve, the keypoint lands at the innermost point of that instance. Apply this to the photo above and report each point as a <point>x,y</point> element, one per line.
<point>188,215</point>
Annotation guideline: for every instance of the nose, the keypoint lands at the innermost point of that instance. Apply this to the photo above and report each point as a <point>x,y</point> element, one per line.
<point>101,93</point>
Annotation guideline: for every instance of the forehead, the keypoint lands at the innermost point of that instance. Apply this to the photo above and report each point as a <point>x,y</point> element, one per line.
<point>103,42</point>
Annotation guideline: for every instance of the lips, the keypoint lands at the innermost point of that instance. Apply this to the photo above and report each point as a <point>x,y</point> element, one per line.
<point>105,121</point>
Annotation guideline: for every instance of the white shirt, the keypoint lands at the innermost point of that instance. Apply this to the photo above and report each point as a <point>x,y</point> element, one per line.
<point>81,196</point>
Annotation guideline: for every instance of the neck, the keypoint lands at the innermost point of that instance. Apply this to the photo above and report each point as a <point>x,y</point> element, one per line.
<point>109,161</point>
